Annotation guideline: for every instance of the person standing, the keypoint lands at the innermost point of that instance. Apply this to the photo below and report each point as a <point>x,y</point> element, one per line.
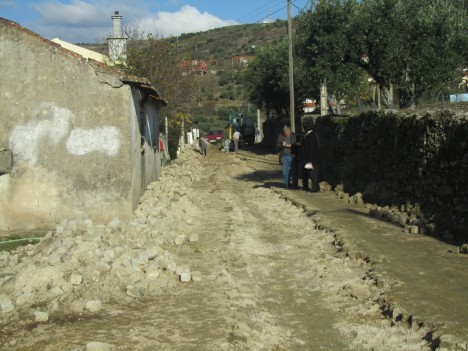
<point>236,137</point>
<point>296,166</point>
<point>285,143</point>
<point>203,146</point>
<point>310,157</point>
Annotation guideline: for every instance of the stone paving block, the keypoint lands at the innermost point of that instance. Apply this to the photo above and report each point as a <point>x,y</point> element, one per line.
<point>94,306</point>
<point>193,237</point>
<point>41,317</point>
<point>77,306</point>
<point>185,277</point>
<point>196,276</point>
<point>99,346</point>
<point>76,279</point>
<point>5,304</point>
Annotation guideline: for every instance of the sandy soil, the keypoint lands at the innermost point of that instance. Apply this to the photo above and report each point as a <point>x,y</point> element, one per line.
<point>269,280</point>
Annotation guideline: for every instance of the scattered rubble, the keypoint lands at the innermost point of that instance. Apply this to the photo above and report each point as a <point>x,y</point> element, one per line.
<point>82,265</point>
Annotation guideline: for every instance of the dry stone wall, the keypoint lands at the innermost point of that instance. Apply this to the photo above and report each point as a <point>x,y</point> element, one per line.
<point>417,164</point>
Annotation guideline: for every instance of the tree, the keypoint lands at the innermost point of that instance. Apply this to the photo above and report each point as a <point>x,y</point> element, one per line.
<point>155,58</point>
<point>324,46</point>
<point>415,46</point>
<point>433,49</point>
<point>266,80</point>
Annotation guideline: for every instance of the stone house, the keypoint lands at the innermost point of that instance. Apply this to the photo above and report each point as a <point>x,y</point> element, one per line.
<point>78,138</point>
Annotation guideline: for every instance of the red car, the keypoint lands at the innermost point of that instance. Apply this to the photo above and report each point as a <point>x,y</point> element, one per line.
<point>214,136</point>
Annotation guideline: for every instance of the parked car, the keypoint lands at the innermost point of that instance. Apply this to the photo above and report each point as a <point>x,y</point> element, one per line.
<point>214,136</point>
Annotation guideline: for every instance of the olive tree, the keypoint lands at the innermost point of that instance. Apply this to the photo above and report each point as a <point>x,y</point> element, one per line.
<point>266,79</point>
<point>324,47</point>
<point>414,46</point>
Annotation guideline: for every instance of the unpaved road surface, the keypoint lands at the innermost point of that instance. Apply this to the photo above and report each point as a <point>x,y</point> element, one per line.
<point>270,279</point>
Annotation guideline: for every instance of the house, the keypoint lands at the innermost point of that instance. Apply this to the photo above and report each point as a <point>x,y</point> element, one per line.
<point>78,138</point>
<point>197,66</point>
<point>309,105</point>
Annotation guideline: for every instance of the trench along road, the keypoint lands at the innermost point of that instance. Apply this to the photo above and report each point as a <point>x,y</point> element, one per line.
<point>270,280</point>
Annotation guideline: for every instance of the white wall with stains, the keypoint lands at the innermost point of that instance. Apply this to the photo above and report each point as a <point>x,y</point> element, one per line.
<point>70,127</point>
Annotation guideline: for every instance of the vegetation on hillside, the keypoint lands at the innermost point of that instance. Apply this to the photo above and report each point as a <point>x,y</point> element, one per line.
<point>416,48</point>
<point>208,98</point>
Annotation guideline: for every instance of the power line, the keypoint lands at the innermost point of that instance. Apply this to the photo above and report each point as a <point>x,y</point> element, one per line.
<point>240,29</point>
<point>236,30</point>
<point>303,8</point>
<point>270,5</point>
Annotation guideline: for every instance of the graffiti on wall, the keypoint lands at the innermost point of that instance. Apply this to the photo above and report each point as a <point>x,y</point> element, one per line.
<point>104,139</point>
<point>52,125</point>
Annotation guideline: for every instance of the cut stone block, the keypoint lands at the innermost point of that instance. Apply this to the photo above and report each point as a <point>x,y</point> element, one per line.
<point>41,316</point>
<point>5,304</point>
<point>94,306</point>
<point>185,277</point>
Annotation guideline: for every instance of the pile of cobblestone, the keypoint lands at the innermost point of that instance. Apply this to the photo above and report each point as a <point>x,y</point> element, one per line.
<point>82,265</point>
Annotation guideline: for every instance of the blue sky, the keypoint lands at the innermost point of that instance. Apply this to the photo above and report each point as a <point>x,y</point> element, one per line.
<point>89,21</point>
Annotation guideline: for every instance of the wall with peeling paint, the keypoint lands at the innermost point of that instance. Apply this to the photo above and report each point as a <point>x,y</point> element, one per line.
<point>74,131</point>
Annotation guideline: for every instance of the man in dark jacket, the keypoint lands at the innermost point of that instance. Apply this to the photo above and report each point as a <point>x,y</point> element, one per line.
<point>296,166</point>
<point>310,157</point>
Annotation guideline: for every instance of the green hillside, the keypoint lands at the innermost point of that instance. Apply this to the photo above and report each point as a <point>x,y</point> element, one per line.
<point>220,89</point>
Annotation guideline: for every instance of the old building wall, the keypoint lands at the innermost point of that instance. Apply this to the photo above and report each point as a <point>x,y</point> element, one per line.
<point>144,131</point>
<point>68,124</point>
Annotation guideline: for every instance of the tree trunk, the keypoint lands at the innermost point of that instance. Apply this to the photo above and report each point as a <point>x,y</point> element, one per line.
<point>386,95</point>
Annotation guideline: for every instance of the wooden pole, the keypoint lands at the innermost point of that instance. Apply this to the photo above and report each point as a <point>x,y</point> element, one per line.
<point>291,71</point>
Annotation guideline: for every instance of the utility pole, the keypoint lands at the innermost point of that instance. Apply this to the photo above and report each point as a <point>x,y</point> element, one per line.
<point>291,71</point>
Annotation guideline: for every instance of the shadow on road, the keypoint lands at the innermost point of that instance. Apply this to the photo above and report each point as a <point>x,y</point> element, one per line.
<point>258,149</point>
<point>269,185</point>
<point>257,159</point>
<point>269,177</point>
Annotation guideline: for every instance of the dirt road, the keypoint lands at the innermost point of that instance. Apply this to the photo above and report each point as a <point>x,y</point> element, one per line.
<point>269,280</point>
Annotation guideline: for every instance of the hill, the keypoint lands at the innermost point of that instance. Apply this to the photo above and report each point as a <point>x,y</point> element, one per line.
<point>226,52</point>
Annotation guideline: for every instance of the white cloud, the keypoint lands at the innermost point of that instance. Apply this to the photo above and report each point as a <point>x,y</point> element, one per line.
<point>89,21</point>
<point>187,20</point>
<point>83,13</point>
<point>83,21</point>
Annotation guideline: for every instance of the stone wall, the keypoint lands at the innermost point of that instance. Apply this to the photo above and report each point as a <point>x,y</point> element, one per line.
<point>416,163</point>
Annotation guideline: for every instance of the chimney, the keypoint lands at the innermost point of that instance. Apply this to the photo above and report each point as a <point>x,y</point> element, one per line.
<point>117,43</point>
<point>117,21</point>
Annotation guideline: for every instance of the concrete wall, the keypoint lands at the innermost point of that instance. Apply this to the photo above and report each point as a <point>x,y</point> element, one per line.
<point>72,128</point>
